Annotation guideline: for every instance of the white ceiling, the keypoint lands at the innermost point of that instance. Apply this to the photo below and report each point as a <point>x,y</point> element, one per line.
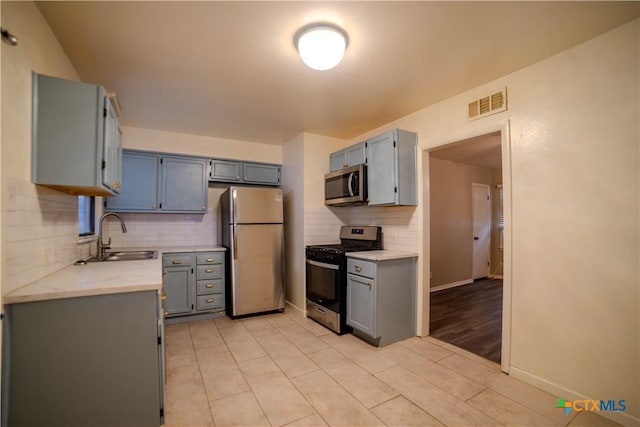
<point>230,69</point>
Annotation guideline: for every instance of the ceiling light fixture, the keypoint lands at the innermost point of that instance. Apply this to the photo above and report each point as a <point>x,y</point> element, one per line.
<point>8,38</point>
<point>321,46</point>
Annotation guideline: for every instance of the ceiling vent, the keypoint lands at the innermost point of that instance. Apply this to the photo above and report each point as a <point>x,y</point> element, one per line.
<point>490,104</point>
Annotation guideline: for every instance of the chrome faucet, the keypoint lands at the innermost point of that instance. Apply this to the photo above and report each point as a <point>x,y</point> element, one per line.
<point>102,247</point>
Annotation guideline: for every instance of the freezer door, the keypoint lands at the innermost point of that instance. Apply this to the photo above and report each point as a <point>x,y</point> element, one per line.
<point>252,205</point>
<point>257,281</point>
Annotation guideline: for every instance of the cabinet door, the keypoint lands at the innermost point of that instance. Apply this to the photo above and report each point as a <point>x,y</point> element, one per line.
<point>381,170</point>
<point>338,160</point>
<point>226,171</point>
<point>361,304</point>
<point>184,184</point>
<point>112,149</point>
<point>176,284</point>
<point>139,184</point>
<point>356,154</point>
<point>258,173</point>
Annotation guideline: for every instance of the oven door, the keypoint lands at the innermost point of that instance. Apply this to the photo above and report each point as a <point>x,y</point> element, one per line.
<point>323,284</point>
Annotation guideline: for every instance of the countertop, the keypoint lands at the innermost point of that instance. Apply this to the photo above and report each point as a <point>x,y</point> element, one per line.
<point>382,255</point>
<point>101,278</point>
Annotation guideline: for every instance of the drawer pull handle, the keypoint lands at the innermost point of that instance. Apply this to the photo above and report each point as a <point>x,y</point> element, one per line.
<point>209,270</point>
<point>176,261</point>
<point>358,268</point>
<point>210,300</point>
<point>209,286</point>
<point>209,259</point>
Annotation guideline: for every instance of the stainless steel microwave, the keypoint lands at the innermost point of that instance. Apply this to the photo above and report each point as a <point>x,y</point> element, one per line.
<point>346,186</point>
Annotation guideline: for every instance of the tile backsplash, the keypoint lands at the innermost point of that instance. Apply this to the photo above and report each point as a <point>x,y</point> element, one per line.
<point>40,233</point>
<point>158,229</point>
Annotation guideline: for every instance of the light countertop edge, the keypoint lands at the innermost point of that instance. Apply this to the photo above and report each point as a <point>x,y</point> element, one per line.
<point>382,255</point>
<point>101,278</point>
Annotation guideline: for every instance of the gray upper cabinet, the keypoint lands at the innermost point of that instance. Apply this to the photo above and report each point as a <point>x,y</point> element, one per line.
<point>76,139</point>
<point>139,175</point>
<point>184,184</point>
<point>391,168</point>
<point>261,173</point>
<point>350,156</point>
<point>155,182</point>
<point>224,170</point>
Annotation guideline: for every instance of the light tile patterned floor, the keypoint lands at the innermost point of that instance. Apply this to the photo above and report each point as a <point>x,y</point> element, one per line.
<point>284,369</point>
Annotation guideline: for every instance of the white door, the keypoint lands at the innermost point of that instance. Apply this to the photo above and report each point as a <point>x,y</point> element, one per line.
<point>481,211</point>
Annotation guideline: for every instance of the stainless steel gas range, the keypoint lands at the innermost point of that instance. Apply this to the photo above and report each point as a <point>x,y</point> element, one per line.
<point>326,267</point>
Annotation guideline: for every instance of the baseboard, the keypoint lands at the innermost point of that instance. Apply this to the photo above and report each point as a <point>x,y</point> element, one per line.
<point>495,276</point>
<point>451,285</point>
<point>289,305</point>
<point>567,394</point>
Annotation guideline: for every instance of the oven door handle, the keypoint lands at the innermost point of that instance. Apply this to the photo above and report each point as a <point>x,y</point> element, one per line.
<point>323,265</point>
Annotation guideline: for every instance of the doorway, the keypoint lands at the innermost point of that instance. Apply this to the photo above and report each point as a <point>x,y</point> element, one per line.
<point>466,251</point>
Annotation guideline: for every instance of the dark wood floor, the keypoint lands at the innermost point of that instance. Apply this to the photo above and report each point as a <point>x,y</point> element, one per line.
<point>470,317</point>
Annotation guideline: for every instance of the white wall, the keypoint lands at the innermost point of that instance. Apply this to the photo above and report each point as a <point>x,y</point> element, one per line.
<point>307,219</point>
<point>293,188</point>
<point>39,226</point>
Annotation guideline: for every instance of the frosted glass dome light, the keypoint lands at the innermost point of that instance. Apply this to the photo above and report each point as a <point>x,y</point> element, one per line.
<point>321,47</point>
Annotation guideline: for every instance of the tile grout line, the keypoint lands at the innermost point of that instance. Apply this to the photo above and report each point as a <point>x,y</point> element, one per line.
<point>195,354</point>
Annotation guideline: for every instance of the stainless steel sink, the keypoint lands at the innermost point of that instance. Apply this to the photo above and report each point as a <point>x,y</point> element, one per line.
<point>121,256</point>
<point>129,255</point>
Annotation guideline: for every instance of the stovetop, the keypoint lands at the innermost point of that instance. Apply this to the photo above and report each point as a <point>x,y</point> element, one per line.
<point>353,239</point>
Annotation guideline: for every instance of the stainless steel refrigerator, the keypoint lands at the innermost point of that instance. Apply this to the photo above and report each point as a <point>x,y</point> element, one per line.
<point>253,233</point>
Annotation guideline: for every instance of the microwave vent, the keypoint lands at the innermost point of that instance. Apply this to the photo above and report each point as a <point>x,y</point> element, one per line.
<point>487,105</point>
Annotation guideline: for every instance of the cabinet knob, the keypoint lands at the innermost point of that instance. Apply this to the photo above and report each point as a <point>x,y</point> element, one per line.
<point>369,285</point>
<point>163,296</point>
<point>237,176</point>
<point>358,268</point>
<point>204,208</point>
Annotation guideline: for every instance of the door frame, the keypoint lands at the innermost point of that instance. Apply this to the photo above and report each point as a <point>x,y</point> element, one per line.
<point>505,138</point>
<point>473,218</point>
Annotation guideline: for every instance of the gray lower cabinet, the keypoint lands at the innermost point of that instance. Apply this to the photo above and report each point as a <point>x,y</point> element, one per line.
<point>162,183</point>
<point>76,138</point>
<point>193,283</point>
<point>381,299</point>
<point>223,170</point>
<point>85,361</point>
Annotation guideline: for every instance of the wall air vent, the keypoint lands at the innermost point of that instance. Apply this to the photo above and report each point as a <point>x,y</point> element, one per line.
<point>490,104</point>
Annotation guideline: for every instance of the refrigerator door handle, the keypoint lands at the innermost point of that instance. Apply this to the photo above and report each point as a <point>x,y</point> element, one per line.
<point>234,194</point>
<point>235,242</point>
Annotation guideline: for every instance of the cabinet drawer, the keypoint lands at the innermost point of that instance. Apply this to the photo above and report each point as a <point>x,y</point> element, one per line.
<point>210,258</point>
<point>206,302</point>
<point>206,272</point>
<point>204,287</point>
<point>169,260</point>
<point>361,267</point>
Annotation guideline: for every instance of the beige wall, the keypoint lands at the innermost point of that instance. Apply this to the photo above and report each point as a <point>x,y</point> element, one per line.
<point>39,226</point>
<point>575,244</point>
<point>452,219</point>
